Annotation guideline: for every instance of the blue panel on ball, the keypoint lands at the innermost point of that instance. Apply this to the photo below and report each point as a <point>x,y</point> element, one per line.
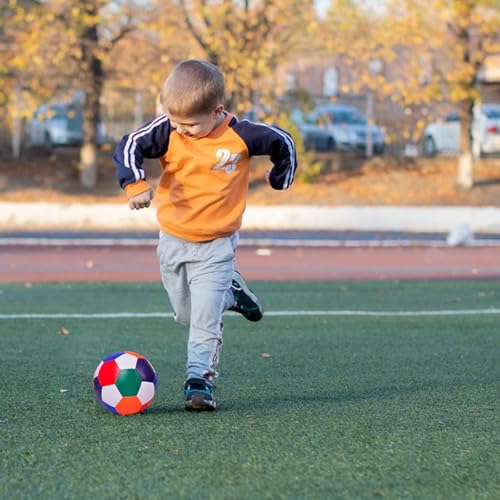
<point>112,356</point>
<point>146,370</point>
<point>97,388</point>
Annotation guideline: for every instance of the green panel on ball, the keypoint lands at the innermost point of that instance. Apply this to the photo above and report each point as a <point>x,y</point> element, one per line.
<point>128,382</point>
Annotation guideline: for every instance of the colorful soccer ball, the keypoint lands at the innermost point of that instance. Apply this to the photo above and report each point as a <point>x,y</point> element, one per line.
<point>125,383</point>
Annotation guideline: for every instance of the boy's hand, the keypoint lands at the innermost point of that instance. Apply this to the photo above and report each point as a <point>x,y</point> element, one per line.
<point>141,200</point>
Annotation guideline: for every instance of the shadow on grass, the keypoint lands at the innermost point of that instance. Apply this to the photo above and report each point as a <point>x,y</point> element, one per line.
<point>310,398</point>
<point>340,397</point>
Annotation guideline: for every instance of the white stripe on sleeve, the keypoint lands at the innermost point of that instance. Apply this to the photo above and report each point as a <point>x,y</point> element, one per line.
<point>131,144</point>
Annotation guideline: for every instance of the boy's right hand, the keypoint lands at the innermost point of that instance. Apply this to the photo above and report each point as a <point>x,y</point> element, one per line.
<point>141,200</point>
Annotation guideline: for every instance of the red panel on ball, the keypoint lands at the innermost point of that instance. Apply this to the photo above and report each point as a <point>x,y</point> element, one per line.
<point>108,373</point>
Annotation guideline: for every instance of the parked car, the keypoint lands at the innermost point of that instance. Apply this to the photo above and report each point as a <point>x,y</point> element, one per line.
<point>443,136</point>
<point>57,124</point>
<point>332,127</point>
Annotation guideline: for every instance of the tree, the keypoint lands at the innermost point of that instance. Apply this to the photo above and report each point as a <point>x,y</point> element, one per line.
<point>5,13</point>
<point>473,30</point>
<point>94,32</point>
<point>443,55</point>
<point>247,40</point>
<point>15,67</point>
<point>78,39</point>
<point>434,49</point>
<point>90,61</point>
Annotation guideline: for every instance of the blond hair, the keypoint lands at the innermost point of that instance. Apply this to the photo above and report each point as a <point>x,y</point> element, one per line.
<point>193,87</point>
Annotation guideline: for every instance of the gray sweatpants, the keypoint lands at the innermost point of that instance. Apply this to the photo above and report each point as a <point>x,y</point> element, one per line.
<point>197,277</point>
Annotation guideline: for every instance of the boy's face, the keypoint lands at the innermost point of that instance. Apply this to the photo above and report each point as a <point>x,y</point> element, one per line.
<point>197,126</point>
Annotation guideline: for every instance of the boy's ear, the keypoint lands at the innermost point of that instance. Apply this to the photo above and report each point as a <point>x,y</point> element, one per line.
<point>219,109</point>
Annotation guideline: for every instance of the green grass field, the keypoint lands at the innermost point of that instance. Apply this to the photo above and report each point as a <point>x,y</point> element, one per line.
<point>347,406</point>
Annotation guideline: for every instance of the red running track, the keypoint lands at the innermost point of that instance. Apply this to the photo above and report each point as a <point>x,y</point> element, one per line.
<point>119,263</point>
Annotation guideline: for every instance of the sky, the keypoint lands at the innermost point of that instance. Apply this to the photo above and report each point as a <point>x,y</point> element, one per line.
<point>322,5</point>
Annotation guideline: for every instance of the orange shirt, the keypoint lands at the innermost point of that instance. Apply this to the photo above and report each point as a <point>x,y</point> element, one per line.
<point>203,188</point>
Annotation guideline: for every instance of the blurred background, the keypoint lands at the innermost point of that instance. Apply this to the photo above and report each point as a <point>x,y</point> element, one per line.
<point>394,79</point>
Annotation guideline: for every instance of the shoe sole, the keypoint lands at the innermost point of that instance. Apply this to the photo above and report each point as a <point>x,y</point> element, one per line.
<point>200,405</point>
<point>242,284</point>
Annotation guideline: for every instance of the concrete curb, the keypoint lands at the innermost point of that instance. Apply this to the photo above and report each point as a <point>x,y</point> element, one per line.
<point>105,217</point>
<point>373,218</point>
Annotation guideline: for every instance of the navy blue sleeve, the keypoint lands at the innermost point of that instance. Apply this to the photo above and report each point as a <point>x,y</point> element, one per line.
<point>150,141</point>
<point>274,142</point>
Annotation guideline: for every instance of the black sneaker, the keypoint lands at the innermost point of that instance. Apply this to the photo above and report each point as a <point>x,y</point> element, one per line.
<point>245,301</point>
<point>199,395</point>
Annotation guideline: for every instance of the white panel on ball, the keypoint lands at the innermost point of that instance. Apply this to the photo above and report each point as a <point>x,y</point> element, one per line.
<point>146,392</point>
<point>126,361</point>
<point>111,395</point>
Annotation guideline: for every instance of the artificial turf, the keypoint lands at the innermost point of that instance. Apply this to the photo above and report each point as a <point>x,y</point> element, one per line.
<point>339,407</point>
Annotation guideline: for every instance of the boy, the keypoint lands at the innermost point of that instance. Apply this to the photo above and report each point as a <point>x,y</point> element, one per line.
<point>204,152</point>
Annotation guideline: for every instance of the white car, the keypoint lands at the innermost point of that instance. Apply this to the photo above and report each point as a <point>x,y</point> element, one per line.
<point>443,137</point>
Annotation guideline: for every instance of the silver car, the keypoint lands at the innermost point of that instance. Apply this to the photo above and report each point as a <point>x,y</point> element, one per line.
<point>339,127</point>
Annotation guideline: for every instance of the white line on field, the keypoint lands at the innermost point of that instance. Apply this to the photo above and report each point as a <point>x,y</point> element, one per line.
<point>117,315</point>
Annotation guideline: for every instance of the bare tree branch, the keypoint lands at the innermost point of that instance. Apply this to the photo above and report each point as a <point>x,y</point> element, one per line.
<point>198,37</point>
<point>129,28</point>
